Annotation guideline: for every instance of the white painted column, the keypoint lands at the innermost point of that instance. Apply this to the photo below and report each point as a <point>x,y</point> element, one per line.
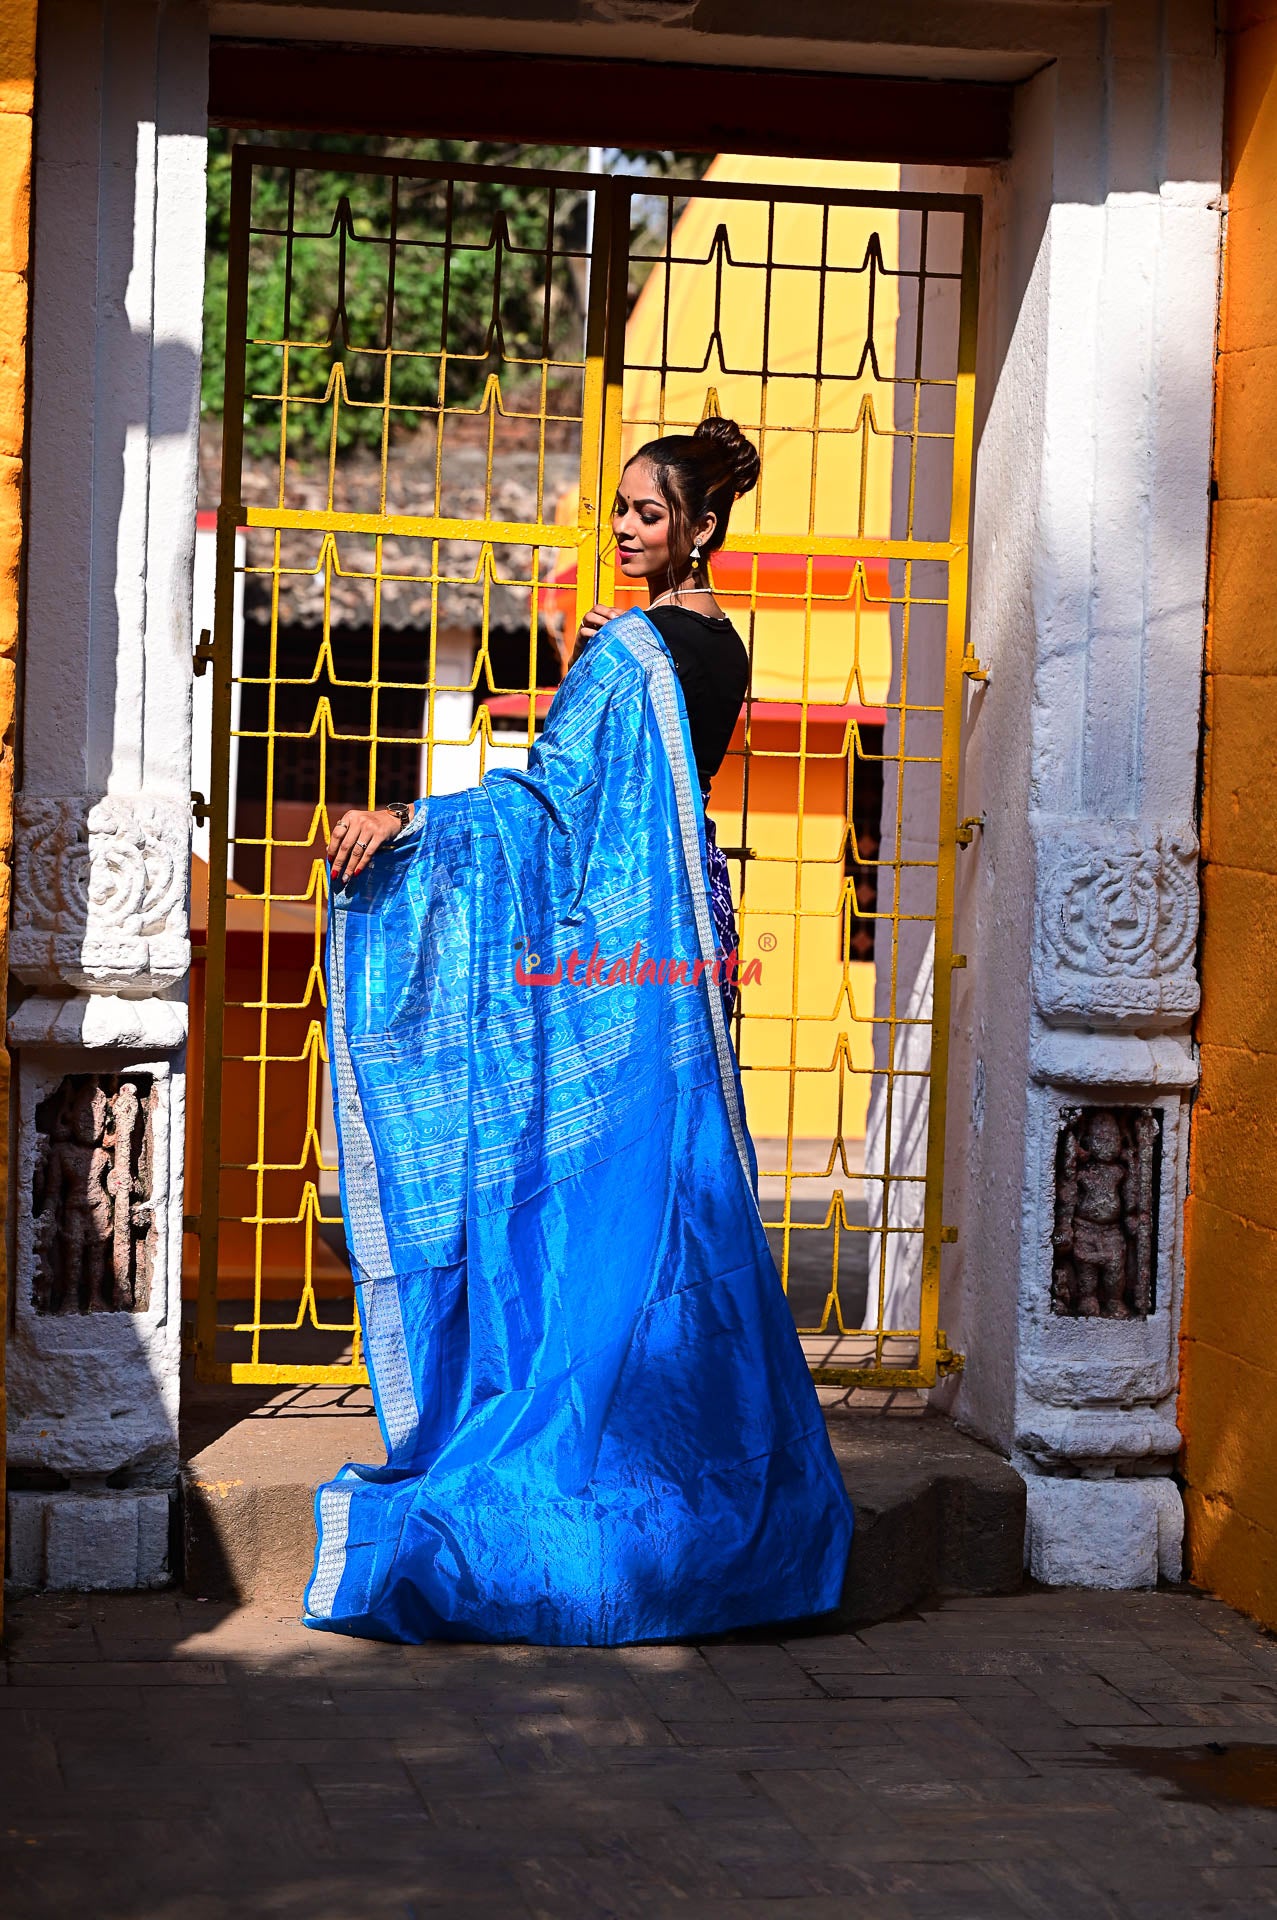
<point>103,814</point>
<point>1078,902</point>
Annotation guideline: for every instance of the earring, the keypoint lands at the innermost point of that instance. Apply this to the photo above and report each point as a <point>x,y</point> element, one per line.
<point>696,554</point>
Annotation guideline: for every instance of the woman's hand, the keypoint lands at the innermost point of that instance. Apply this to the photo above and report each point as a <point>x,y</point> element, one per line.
<point>356,838</point>
<point>597,617</point>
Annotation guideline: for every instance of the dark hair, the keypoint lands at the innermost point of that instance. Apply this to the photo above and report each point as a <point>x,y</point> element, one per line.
<point>700,473</point>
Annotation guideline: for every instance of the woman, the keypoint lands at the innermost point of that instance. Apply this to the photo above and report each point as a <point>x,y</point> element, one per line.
<point>599,1424</point>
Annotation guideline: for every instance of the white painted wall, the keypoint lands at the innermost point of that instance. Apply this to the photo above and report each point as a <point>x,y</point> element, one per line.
<point>1088,589</point>
<point>103,834</point>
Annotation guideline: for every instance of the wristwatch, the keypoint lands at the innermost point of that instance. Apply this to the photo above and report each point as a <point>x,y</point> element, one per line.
<point>402,811</point>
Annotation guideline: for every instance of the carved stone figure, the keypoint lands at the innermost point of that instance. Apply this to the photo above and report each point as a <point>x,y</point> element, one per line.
<point>91,1198</point>
<point>1106,1164</point>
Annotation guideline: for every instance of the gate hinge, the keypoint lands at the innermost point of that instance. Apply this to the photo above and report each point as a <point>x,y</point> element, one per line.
<point>972,668</point>
<point>199,807</point>
<point>949,1236</point>
<point>957,959</point>
<point>204,654</point>
<point>964,832</point>
<point>947,1361</point>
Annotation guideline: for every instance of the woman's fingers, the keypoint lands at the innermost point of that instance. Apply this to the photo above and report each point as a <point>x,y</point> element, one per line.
<point>377,836</point>
<point>352,836</point>
<point>338,837</point>
<point>597,617</point>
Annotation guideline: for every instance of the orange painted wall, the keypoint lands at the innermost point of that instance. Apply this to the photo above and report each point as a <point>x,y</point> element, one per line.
<point>1228,1408</point>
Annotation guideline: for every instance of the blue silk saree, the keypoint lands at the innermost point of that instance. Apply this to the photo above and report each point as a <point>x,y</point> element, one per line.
<point>598,1420</point>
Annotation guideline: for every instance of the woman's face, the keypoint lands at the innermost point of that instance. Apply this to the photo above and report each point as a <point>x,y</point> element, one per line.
<point>641,524</point>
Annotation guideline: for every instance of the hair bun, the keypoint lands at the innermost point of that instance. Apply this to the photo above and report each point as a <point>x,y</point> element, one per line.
<point>740,454</point>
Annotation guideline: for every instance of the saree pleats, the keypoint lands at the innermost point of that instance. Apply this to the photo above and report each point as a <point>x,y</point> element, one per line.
<point>598,1420</point>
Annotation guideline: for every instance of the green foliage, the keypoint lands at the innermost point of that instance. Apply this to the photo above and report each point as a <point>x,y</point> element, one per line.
<point>504,289</point>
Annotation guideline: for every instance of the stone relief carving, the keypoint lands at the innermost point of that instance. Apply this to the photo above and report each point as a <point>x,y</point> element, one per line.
<point>1116,923</point>
<point>91,1196</point>
<point>100,892</point>
<point>1105,1238</point>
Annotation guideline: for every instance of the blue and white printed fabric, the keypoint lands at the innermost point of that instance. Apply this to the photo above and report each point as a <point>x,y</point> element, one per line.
<point>599,1424</point>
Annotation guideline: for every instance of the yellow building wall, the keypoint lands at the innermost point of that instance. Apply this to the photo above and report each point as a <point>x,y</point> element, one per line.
<point>17,100</point>
<point>1228,1408</point>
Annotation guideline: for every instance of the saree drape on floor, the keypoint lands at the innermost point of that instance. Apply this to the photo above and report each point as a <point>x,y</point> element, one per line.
<point>598,1420</point>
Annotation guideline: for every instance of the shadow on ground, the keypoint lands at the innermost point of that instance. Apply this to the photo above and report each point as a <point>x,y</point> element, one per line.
<point>166,1760</point>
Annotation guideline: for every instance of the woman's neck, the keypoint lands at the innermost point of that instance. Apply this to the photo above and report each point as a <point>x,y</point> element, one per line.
<point>674,596</point>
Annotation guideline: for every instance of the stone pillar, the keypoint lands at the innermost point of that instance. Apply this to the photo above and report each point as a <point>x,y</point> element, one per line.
<point>100,934</point>
<point>1073,1062</point>
<point>17,102</point>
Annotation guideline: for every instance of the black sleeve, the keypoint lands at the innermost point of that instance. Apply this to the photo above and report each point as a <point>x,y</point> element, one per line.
<point>687,652</point>
<point>687,665</point>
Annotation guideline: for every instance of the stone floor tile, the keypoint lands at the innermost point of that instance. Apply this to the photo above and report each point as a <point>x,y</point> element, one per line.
<point>585,1807</point>
<point>447,1773</point>
<point>936,1685</point>
<point>993,1659</point>
<point>1050,1885</point>
<point>760,1673</point>
<point>535,1743</point>
<point>1026,1725</point>
<point>612,1724</point>
<point>834,1651</point>
<point>1182,1733</point>
<point>554,1887</point>
<point>100,1673</point>
<point>1207,1690</point>
<point>1085,1702</point>
<point>952,1888</point>
<point>687,1694</point>
<point>938,1846</point>
<point>941,1899</point>
<point>819,1800</point>
<point>44,1701</point>
<point>946,1731</point>
<point>797,1906</point>
<point>836,1727</point>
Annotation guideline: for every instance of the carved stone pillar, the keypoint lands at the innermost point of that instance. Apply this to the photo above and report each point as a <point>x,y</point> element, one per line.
<point>100,947</point>
<point>1107,1136</point>
<point>1071,1063</point>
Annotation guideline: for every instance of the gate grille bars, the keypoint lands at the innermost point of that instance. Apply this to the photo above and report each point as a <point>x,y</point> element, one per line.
<point>462,433</point>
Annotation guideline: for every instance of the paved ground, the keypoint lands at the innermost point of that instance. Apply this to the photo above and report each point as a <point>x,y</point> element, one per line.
<point>1048,1754</point>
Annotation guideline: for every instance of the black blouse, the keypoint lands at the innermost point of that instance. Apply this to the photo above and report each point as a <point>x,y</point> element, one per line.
<point>713,668</point>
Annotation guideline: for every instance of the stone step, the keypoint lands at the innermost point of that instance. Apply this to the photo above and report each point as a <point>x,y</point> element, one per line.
<point>936,1512</point>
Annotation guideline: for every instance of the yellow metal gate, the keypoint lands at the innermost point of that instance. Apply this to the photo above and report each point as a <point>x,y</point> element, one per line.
<point>418,465</point>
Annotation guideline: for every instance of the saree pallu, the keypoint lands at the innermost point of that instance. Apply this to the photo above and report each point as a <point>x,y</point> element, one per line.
<point>598,1420</point>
